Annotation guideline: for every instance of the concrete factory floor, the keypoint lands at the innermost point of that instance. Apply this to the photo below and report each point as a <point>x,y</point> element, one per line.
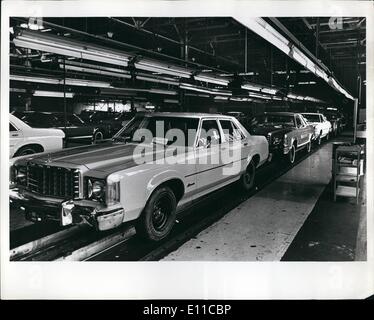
<point>263,227</point>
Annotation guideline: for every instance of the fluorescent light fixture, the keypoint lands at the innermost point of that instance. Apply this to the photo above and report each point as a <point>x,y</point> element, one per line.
<point>306,82</point>
<point>211,79</point>
<point>240,99</point>
<point>221,98</point>
<point>198,89</point>
<point>299,56</point>
<point>68,47</point>
<point>269,91</point>
<point>251,87</point>
<point>221,92</point>
<point>201,95</point>
<point>34,79</point>
<point>17,90</point>
<point>263,29</point>
<point>160,91</point>
<point>95,69</point>
<point>68,81</point>
<point>187,86</point>
<point>54,94</point>
<point>155,66</point>
<point>163,80</point>
<point>123,74</point>
<point>171,101</point>
<point>259,88</point>
<point>291,96</point>
<point>260,96</point>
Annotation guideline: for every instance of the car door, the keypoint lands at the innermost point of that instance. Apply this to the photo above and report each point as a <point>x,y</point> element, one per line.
<point>303,130</point>
<point>15,139</point>
<point>234,149</point>
<point>209,174</point>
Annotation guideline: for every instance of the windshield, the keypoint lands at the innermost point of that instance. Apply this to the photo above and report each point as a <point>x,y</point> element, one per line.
<point>36,119</point>
<point>279,119</point>
<point>159,129</point>
<point>311,117</point>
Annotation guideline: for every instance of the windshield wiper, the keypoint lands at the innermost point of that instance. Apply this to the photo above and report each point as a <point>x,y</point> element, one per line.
<point>122,139</point>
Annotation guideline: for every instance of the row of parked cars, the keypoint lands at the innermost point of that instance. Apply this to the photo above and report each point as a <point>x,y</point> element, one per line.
<point>149,181</point>
<point>29,129</point>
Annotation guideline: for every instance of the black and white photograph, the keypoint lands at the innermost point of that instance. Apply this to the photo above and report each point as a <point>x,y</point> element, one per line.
<point>211,151</point>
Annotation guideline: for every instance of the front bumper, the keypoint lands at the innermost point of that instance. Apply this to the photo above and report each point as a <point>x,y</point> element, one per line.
<point>39,208</point>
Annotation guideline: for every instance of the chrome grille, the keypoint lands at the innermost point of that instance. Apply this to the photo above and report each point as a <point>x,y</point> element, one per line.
<point>52,181</point>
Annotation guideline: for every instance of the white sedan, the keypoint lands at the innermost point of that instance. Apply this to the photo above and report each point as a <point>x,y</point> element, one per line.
<point>24,140</point>
<point>322,127</point>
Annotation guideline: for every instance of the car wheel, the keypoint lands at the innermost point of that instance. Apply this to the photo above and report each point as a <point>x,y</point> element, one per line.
<point>24,151</point>
<point>319,140</point>
<point>98,135</point>
<point>328,136</point>
<point>292,154</point>
<point>247,179</point>
<point>158,217</point>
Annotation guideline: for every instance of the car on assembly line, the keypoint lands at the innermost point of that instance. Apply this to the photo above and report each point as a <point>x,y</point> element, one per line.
<point>322,127</point>
<point>286,132</point>
<point>75,129</point>
<point>25,140</point>
<point>337,120</point>
<point>144,174</point>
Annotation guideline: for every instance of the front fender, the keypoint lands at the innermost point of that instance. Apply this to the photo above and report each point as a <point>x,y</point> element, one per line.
<point>160,178</point>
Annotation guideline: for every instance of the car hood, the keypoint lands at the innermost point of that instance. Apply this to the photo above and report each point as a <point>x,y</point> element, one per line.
<point>265,130</point>
<point>107,157</point>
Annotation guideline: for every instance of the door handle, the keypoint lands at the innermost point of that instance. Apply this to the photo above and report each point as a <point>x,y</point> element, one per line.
<point>245,143</point>
<point>15,135</point>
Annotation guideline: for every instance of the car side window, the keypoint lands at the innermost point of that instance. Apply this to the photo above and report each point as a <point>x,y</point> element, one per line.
<point>11,127</point>
<point>209,134</point>
<point>228,130</point>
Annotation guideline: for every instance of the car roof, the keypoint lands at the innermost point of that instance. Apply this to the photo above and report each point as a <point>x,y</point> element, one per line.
<point>185,115</point>
<point>282,113</point>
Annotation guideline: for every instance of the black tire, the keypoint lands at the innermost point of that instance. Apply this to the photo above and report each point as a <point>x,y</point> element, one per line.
<point>97,136</point>
<point>328,136</point>
<point>319,140</point>
<point>158,216</point>
<point>292,154</point>
<point>247,179</point>
<point>26,150</point>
